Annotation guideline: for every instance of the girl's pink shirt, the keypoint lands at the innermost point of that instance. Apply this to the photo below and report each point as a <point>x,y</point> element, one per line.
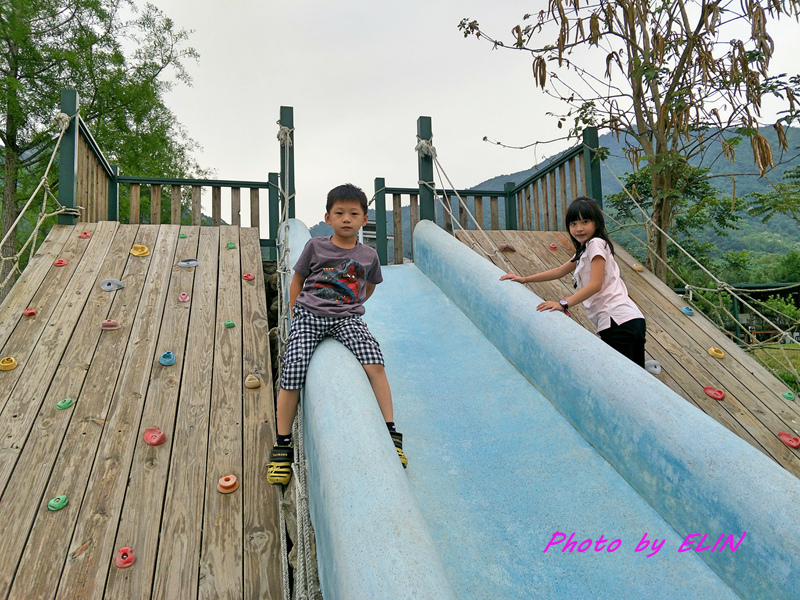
<point>612,301</point>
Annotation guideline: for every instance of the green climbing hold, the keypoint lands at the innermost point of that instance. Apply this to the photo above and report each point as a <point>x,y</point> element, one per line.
<point>65,403</point>
<point>57,503</point>
<point>230,324</point>
<point>182,235</point>
<point>231,245</point>
<point>789,395</point>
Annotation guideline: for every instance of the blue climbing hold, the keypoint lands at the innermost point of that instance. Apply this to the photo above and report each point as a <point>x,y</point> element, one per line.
<point>687,310</point>
<point>167,359</point>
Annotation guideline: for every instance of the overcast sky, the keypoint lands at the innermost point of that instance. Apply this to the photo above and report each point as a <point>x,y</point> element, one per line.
<point>359,73</point>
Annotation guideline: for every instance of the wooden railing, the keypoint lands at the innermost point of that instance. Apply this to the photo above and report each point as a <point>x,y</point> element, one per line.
<point>89,182</point>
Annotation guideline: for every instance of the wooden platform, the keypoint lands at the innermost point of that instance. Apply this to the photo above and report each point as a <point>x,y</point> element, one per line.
<point>753,408</point>
<point>189,540</point>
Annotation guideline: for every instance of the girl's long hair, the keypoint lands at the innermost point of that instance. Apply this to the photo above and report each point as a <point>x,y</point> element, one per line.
<point>584,207</point>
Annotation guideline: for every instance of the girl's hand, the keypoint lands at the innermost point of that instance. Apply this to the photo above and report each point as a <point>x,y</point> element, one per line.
<point>512,276</point>
<point>551,306</point>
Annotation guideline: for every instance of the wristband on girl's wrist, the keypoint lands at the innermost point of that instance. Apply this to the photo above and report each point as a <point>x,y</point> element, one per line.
<point>565,305</point>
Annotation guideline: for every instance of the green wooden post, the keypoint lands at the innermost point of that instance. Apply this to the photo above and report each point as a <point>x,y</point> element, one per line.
<point>380,220</point>
<point>68,158</point>
<point>274,214</point>
<point>287,171</point>
<point>735,311</point>
<point>511,205</point>
<point>425,171</point>
<point>113,194</point>
<point>594,187</point>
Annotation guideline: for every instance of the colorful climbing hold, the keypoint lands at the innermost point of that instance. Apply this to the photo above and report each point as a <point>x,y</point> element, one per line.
<point>230,324</point>
<point>714,392</point>
<point>65,403</point>
<point>687,310</point>
<point>637,267</point>
<point>60,263</point>
<point>139,250</point>
<point>110,285</point>
<point>8,363</point>
<point>553,246</point>
<point>716,352</point>
<point>252,382</point>
<point>789,439</point>
<point>167,359</point>
<point>188,262</point>
<point>248,277</point>
<point>29,312</point>
<point>228,484</point>
<point>125,558</point>
<point>84,235</point>
<point>184,297</point>
<point>109,324</point>
<point>182,236</point>
<point>652,366</point>
<point>789,395</point>
<point>57,503</point>
<point>154,436</point>
<point>231,245</point>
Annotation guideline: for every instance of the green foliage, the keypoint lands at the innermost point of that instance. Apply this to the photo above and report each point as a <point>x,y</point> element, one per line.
<point>783,198</point>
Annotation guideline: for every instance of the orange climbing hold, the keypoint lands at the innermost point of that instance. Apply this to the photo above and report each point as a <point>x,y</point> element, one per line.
<point>228,484</point>
<point>789,439</point>
<point>125,558</point>
<point>716,352</point>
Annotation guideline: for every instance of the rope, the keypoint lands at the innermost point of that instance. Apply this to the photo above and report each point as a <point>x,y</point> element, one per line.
<point>62,121</point>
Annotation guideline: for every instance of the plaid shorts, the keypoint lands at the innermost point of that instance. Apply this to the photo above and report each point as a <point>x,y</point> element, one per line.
<point>306,333</point>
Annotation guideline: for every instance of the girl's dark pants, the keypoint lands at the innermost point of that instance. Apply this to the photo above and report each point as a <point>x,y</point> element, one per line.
<point>627,339</point>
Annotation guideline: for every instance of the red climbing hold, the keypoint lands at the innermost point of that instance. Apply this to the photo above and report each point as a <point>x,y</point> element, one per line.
<point>506,248</point>
<point>248,277</point>
<point>60,262</point>
<point>154,436</point>
<point>125,558</point>
<point>789,439</point>
<point>228,484</point>
<point>553,246</point>
<point>184,297</point>
<point>714,392</point>
<point>84,235</point>
<point>109,324</point>
<point>29,312</point>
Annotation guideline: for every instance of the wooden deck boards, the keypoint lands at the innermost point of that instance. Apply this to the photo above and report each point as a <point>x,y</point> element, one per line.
<point>162,500</point>
<point>753,408</point>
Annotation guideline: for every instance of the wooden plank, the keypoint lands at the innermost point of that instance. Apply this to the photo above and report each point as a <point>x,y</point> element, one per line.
<point>463,219</point>
<point>573,179</point>
<point>535,207</point>
<point>135,201</point>
<point>23,291</point>
<point>25,499</point>
<point>216,205</point>
<point>479,211</point>
<point>545,205</point>
<point>494,214</point>
<point>175,205</point>
<point>262,542</point>
<point>528,223</point>
<point>255,206</point>
<point>552,198</point>
<point>562,182</point>
<point>414,210</point>
<point>176,570</point>
<point>85,572</point>
<point>397,214</point>
<point>38,347</point>
<point>141,513</point>
<point>155,204</point>
<point>197,207</point>
<point>447,214</point>
<point>221,551</point>
<point>582,173</point>
<point>520,210</point>
<point>236,217</point>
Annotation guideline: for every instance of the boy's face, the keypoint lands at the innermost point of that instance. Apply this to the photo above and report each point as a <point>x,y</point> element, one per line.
<point>346,218</point>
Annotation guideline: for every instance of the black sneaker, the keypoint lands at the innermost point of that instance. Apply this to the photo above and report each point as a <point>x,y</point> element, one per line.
<point>397,438</point>
<point>279,471</point>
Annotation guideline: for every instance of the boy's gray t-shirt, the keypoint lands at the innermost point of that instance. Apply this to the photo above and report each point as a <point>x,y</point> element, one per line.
<point>336,278</point>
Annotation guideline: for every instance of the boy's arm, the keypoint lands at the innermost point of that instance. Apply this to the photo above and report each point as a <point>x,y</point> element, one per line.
<point>295,288</point>
<point>370,289</point>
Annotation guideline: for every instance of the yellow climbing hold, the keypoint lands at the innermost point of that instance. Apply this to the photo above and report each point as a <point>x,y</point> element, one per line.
<point>139,250</point>
<point>637,267</point>
<point>8,363</point>
<point>716,352</point>
<point>252,382</point>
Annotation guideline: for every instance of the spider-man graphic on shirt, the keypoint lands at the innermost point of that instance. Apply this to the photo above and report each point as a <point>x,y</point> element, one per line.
<point>340,285</point>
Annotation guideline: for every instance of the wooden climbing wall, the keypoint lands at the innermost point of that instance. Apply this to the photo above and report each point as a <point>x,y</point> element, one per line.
<point>189,540</point>
<point>753,408</point>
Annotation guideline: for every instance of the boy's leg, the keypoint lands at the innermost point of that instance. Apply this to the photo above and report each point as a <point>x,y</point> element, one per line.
<point>286,411</point>
<point>380,386</point>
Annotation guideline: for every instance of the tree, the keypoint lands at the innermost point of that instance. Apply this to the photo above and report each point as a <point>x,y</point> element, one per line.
<point>121,69</point>
<point>675,77</point>
<point>783,198</point>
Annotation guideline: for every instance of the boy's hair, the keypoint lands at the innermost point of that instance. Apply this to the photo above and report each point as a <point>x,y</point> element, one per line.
<point>584,207</point>
<point>346,193</point>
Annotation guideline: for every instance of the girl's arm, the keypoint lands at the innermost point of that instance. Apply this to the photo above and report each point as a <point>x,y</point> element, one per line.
<point>557,273</point>
<point>295,288</point>
<point>590,289</point>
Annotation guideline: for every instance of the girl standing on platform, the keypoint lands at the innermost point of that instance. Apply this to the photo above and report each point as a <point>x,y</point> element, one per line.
<point>619,322</point>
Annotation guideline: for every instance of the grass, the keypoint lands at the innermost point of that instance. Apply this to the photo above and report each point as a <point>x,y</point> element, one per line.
<point>774,358</point>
